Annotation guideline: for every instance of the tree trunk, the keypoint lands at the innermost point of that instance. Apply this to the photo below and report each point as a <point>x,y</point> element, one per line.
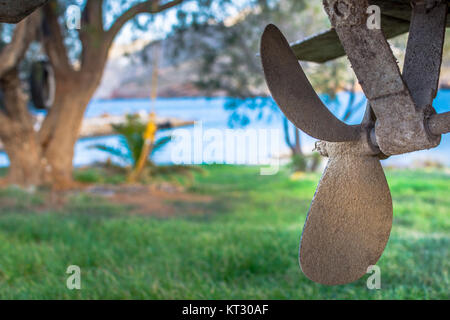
<point>296,147</point>
<point>61,127</point>
<point>18,135</point>
<point>59,148</point>
<point>26,168</point>
<point>74,89</point>
<point>16,124</point>
<point>44,157</point>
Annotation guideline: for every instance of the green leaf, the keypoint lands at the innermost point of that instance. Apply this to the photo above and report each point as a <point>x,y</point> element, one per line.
<point>117,152</point>
<point>161,143</point>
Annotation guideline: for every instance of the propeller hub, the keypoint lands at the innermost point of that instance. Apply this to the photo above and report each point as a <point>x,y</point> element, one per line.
<point>400,122</point>
<point>362,147</point>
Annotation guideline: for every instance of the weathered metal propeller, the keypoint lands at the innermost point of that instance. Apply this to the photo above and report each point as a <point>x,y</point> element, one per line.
<point>350,218</point>
<point>295,95</point>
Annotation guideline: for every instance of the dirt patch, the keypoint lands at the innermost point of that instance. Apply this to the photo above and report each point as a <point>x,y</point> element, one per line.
<point>161,201</point>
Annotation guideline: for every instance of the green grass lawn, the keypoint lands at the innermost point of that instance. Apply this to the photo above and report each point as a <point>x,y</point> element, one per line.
<point>244,246</point>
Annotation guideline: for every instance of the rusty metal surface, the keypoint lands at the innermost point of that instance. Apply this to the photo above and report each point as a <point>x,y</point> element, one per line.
<point>326,45</point>
<point>439,123</point>
<point>350,218</point>
<point>424,52</point>
<point>400,127</point>
<point>294,94</point>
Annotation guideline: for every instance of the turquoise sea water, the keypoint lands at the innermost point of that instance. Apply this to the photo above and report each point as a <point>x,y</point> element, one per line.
<point>211,114</point>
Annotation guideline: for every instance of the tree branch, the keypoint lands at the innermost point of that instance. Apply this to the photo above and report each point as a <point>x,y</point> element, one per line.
<point>92,34</point>
<point>15,113</point>
<point>10,57</point>
<point>149,6</point>
<point>14,97</point>
<point>93,14</point>
<point>14,11</point>
<point>54,40</point>
<point>24,34</point>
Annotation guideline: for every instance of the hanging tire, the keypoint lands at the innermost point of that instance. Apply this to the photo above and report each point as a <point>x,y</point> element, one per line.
<point>42,85</point>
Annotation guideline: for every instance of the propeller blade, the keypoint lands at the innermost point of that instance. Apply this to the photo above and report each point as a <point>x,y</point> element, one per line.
<point>350,218</point>
<point>294,94</point>
<point>424,52</point>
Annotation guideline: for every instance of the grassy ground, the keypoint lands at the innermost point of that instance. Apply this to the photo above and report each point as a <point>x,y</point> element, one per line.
<point>244,246</point>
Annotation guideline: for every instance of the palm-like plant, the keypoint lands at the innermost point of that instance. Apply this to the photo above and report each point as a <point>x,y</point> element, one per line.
<point>131,141</point>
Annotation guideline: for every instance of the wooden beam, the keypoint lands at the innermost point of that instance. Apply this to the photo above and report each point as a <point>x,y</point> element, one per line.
<point>326,46</point>
<point>400,9</point>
